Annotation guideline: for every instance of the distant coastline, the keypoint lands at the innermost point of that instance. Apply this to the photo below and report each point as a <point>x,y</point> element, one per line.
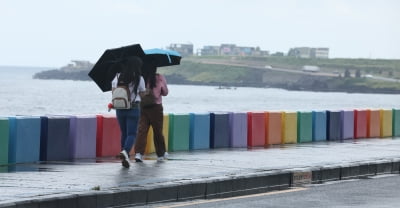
<point>227,72</point>
<point>35,68</point>
<point>76,70</point>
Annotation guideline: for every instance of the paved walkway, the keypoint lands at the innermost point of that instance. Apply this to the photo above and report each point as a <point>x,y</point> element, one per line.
<point>105,183</point>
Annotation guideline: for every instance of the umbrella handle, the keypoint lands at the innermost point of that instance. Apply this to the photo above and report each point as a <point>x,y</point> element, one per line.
<point>169,58</point>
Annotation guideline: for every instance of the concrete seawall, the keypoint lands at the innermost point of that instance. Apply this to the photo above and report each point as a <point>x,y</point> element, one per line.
<point>69,161</point>
<point>203,174</point>
<point>58,138</point>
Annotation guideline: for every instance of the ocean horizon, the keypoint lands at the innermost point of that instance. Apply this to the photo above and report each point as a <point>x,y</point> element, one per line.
<point>23,95</point>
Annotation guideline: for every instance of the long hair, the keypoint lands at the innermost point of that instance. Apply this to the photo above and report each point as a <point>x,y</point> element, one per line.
<point>149,74</point>
<point>131,71</point>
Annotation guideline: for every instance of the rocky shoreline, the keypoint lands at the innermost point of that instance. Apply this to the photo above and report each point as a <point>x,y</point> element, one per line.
<point>62,75</point>
<point>258,78</point>
<point>304,85</point>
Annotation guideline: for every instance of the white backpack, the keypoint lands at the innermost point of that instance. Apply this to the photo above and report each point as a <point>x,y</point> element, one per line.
<point>121,98</point>
<point>121,95</point>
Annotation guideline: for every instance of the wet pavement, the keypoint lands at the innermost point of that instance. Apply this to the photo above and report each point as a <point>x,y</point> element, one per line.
<point>29,182</point>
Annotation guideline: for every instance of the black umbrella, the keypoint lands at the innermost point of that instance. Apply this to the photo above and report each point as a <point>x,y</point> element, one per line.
<point>105,69</point>
<point>161,57</point>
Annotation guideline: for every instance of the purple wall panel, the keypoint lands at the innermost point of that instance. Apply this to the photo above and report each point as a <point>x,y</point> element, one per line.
<point>347,117</point>
<point>83,136</point>
<point>238,129</point>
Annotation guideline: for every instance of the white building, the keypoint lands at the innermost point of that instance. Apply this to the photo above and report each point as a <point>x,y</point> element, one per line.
<point>307,52</point>
<point>320,52</point>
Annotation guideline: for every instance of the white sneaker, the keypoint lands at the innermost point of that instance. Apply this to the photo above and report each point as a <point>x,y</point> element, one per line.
<point>124,159</point>
<point>138,157</point>
<point>162,158</point>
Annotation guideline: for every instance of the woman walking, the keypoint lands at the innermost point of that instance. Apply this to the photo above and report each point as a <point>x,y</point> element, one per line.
<point>152,115</point>
<point>130,76</point>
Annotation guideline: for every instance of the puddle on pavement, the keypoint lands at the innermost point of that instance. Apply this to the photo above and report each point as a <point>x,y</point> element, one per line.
<point>49,166</point>
<point>26,168</point>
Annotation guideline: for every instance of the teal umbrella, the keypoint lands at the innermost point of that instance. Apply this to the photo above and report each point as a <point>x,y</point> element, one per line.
<point>162,57</point>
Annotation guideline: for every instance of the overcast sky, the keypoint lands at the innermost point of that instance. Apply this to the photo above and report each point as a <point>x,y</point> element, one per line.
<point>52,32</point>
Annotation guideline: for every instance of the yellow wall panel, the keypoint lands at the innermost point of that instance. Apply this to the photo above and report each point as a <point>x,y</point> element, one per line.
<point>289,130</point>
<point>386,123</point>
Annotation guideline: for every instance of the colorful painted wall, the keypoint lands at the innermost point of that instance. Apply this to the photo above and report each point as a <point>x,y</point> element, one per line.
<point>27,139</point>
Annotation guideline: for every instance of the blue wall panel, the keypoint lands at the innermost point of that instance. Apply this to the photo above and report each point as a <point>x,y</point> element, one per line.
<point>55,142</point>
<point>199,131</point>
<point>24,139</point>
<point>219,130</point>
<point>334,125</point>
<point>319,126</point>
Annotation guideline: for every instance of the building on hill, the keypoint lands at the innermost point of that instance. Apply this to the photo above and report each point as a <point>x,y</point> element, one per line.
<point>227,49</point>
<point>307,52</point>
<point>320,53</point>
<point>77,65</point>
<point>183,49</point>
<point>232,50</point>
<point>300,52</point>
<point>209,51</point>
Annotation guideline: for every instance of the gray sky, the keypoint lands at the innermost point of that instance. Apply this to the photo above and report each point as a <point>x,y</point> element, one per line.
<point>52,32</point>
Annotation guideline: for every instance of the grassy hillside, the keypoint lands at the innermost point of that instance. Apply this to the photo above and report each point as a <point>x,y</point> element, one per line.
<point>211,73</point>
<point>250,71</point>
<point>382,67</point>
<point>376,76</point>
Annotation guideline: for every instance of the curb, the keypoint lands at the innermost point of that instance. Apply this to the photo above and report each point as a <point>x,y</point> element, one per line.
<point>219,187</point>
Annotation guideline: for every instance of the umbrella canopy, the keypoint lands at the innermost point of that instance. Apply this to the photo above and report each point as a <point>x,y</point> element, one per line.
<point>105,69</point>
<point>162,57</point>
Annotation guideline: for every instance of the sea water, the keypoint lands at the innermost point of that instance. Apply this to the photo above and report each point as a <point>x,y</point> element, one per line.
<point>20,94</point>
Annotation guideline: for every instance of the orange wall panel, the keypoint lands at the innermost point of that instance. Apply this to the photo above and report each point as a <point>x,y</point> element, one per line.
<point>373,123</point>
<point>273,126</point>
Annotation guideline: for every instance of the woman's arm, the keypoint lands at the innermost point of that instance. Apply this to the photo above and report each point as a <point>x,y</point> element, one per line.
<point>141,87</point>
<point>164,87</point>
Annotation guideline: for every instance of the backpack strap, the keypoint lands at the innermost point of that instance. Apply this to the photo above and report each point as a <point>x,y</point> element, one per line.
<point>118,80</point>
<point>127,86</point>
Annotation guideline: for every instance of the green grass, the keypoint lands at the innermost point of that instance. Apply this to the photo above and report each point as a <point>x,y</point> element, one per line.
<point>382,67</point>
<point>206,72</point>
<point>192,69</point>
